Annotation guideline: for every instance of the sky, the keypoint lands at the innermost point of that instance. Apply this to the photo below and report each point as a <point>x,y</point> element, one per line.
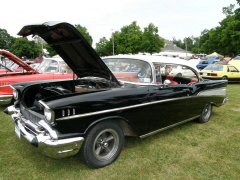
<point>174,18</point>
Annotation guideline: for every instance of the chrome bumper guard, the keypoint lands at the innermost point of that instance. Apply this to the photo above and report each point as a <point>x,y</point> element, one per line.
<point>225,100</point>
<point>5,99</point>
<point>43,137</point>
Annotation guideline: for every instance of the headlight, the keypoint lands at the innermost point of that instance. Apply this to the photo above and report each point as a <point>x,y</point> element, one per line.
<point>48,113</point>
<point>15,94</point>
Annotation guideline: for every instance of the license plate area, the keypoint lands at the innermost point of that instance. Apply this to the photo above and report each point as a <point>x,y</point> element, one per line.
<point>204,74</point>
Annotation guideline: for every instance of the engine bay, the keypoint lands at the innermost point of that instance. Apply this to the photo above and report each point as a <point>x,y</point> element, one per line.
<point>33,94</point>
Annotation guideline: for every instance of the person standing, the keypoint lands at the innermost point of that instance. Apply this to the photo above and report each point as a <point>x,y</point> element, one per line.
<point>39,59</point>
<point>168,69</point>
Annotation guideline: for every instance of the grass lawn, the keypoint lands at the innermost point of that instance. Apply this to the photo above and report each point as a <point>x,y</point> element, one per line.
<point>189,151</point>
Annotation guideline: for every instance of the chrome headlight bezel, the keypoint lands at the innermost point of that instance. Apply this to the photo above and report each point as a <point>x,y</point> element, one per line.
<point>15,92</point>
<point>48,113</point>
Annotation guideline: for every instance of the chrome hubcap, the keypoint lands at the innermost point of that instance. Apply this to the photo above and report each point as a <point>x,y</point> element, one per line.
<point>207,112</point>
<point>106,144</point>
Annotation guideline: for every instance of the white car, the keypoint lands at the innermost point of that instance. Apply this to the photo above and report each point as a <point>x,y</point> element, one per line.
<point>181,71</point>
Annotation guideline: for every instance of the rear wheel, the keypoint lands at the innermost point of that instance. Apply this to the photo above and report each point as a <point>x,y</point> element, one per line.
<point>102,145</point>
<point>224,78</point>
<point>206,114</point>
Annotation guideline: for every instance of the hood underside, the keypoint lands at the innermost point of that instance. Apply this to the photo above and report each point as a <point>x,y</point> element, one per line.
<point>67,41</point>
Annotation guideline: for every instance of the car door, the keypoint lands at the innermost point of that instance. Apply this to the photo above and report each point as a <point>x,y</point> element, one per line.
<point>233,73</point>
<point>169,105</point>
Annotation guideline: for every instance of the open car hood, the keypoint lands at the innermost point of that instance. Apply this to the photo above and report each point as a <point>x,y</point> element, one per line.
<point>211,59</point>
<point>67,41</point>
<point>18,61</point>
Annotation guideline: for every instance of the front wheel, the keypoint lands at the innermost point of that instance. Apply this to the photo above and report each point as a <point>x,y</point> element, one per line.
<point>206,114</point>
<point>179,75</point>
<point>103,144</point>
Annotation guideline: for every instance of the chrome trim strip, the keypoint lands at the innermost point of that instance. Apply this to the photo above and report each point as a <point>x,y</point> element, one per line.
<point>173,125</point>
<point>5,86</point>
<point>120,108</point>
<point>41,102</point>
<point>214,92</point>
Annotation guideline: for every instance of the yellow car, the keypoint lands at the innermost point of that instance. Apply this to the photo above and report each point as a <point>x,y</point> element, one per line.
<point>221,71</point>
<point>235,62</point>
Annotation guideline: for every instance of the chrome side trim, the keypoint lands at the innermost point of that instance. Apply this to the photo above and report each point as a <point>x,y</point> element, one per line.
<point>4,86</point>
<point>119,109</point>
<point>173,125</point>
<point>214,92</point>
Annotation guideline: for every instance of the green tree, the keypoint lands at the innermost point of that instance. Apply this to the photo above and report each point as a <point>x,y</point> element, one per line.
<point>151,41</point>
<point>188,43</point>
<point>228,10</point>
<point>6,40</point>
<point>104,47</point>
<point>129,39</point>
<point>23,47</point>
<point>196,48</point>
<point>225,38</point>
<point>83,30</point>
<point>50,50</point>
<point>178,43</point>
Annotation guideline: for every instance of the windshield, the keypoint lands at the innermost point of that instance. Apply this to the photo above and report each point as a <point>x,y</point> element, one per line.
<point>8,64</point>
<point>130,70</point>
<point>53,66</point>
<point>214,67</point>
<point>236,58</point>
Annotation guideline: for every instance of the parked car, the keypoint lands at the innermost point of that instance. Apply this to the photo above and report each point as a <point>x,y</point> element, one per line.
<point>179,70</point>
<point>4,63</point>
<point>14,65</point>
<point>93,113</point>
<point>221,71</point>
<point>204,63</point>
<point>235,62</point>
<point>35,65</point>
<point>50,68</point>
<point>236,57</point>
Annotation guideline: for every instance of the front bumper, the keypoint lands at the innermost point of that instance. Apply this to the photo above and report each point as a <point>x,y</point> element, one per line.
<point>5,99</point>
<point>43,137</point>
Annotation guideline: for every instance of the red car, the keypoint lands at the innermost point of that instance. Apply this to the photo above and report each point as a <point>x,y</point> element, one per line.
<point>50,68</point>
<point>15,65</point>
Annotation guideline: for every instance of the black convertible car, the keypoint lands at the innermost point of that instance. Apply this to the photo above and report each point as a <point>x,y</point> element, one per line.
<point>106,100</point>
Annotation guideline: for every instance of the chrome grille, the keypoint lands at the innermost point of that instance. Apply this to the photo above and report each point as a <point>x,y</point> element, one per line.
<point>31,115</point>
